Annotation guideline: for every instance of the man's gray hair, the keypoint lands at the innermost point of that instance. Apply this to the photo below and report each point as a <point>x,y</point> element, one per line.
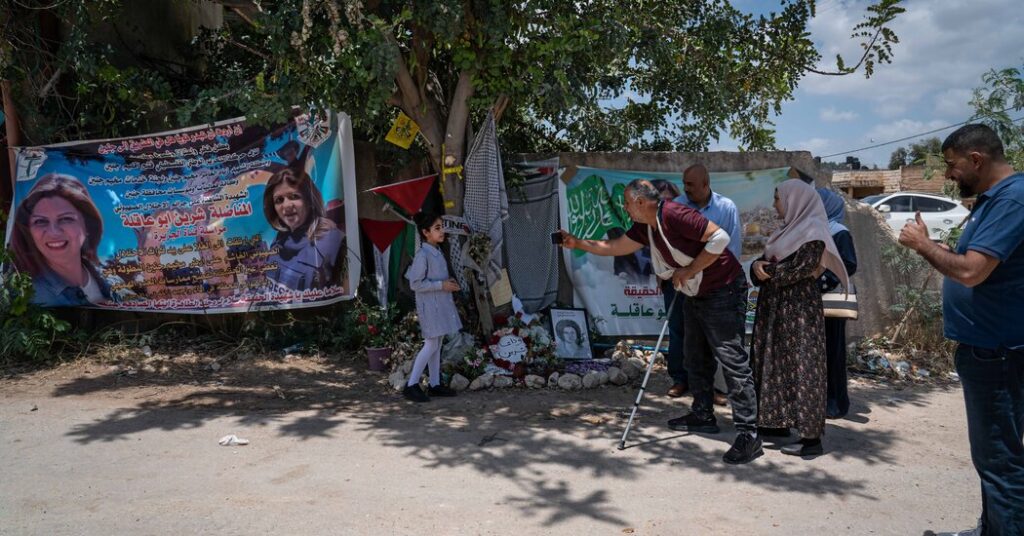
<point>642,188</point>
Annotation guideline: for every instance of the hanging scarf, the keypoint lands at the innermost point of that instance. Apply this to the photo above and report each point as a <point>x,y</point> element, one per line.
<point>835,210</point>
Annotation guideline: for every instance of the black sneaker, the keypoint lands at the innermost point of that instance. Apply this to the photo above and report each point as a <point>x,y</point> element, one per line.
<point>692,423</point>
<point>415,394</point>
<point>744,450</point>
<point>803,448</point>
<point>441,390</point>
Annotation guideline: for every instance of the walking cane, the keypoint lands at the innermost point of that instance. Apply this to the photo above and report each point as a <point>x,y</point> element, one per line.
<point>647,376</point>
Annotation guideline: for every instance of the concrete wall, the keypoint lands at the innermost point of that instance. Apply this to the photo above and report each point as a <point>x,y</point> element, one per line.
<point>887,179</point>
<point>874,280</point>
<point>714,161</point>
<point>912,180</point>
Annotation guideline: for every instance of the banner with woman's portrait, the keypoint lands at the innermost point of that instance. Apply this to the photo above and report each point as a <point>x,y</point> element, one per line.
<point>622,294</point>
<point>220,218</point>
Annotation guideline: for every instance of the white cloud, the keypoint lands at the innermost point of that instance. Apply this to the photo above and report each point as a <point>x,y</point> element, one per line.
<point>832,114</point>
<point>954,103</point>
<point>901,129</point>
<point>890,108</point>
<point>945,45</point>
<point>816,146</point>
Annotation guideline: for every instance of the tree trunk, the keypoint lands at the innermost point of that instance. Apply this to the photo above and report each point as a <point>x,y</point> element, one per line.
<point>445,137</point>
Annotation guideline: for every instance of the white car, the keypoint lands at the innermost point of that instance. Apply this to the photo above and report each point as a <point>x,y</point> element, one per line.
<point>940,213</point>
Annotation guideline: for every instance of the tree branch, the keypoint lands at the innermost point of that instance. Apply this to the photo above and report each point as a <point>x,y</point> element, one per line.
<point>458,114</point>
<point>51,82</point>
<point>499,107</point>
<point>850,70</point>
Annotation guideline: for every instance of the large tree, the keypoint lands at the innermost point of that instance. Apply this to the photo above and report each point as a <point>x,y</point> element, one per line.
<point>591,75</point>
<point>999,104</point>
<point>915,154</point>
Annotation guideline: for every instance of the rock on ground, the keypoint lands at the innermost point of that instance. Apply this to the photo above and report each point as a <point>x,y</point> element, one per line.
<point>482,382</point>
<point>570,381</point>
<point>459,382</point>
<point>533,381</point>
<point>502,382</point>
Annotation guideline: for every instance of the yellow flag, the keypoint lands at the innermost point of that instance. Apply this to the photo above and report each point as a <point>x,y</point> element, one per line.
<point>403,131</point>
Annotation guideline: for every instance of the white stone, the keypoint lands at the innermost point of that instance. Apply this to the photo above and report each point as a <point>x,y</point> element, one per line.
<point>459,382</point>
<point>503,381</point>
<point>638,363</point>
<point>591,380</point>
<point>482,382</point>
<point>534,381</point>
<point>553,380</point>
<point>639,354</point>
<point>407,367</point>
<point>602,377</point>
<point>397,380</point>
<point>631,371</point>
<point>617,377</point>
<point>149,369</point>
<point>215,366</point>
<point>570,381</point>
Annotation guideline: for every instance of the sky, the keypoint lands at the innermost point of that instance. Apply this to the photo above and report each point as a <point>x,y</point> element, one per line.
<point>945,47</point>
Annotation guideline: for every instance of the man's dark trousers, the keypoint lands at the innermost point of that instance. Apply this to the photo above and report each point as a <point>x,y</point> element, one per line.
<point>993,385</point>
<point>714,332</point>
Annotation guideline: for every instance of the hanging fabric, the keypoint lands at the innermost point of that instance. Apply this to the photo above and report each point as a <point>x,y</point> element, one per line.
<point>532,259</point>
<point>381,260</point>
<point>408,194</point>
<point>486,204</point>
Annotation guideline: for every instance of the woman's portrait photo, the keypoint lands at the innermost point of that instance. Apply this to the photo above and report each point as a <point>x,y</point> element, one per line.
<point>307,242</point>
<point>571,338</point>
<point>57,229</point>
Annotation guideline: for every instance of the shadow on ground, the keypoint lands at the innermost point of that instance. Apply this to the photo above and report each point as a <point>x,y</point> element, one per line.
<point>518,435</point>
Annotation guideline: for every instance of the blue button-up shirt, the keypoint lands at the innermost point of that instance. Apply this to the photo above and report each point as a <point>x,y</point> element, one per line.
<point>723,212</point>
<point>989,315</point>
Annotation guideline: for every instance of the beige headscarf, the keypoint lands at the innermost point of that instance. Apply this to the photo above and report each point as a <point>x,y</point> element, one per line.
<point>805,222</point>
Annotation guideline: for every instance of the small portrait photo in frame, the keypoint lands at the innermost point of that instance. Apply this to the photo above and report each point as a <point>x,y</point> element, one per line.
<point>571,333</point>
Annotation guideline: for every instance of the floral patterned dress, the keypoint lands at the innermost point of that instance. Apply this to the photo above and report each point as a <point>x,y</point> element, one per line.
<point>788,348</point>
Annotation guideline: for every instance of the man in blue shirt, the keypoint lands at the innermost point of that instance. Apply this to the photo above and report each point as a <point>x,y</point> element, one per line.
<point>982,309</point>
<point>712,205</point>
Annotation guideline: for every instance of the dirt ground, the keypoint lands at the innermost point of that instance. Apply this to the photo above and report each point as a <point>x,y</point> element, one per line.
<point>94,448</point>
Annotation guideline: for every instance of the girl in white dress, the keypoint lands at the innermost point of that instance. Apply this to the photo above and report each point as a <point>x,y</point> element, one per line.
<point>428,278</point>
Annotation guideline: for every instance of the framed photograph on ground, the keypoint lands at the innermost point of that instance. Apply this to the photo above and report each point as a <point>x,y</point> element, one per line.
<point>571,332</point>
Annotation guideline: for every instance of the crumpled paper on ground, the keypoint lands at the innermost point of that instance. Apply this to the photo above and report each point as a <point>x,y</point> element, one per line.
<point>232,440</point>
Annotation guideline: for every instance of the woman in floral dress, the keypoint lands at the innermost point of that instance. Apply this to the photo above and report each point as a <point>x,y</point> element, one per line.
<point>788,349</point>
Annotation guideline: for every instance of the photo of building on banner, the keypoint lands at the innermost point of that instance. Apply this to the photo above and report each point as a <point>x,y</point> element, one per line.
<point>621,294</point>
<point>220,218</point>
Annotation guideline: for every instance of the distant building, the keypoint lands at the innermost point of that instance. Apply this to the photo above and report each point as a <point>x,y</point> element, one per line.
<point>865,182</point>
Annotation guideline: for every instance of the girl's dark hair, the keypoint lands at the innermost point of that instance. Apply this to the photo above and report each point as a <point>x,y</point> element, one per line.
<point>424,220</point>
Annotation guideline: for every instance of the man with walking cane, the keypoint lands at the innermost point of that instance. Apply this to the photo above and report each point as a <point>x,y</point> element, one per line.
<point>692,251</point>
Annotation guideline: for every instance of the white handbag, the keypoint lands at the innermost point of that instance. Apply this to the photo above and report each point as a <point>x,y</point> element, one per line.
<point>839,304</point>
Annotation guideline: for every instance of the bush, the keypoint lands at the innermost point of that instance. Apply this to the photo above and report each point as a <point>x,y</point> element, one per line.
<point>917,306</point>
